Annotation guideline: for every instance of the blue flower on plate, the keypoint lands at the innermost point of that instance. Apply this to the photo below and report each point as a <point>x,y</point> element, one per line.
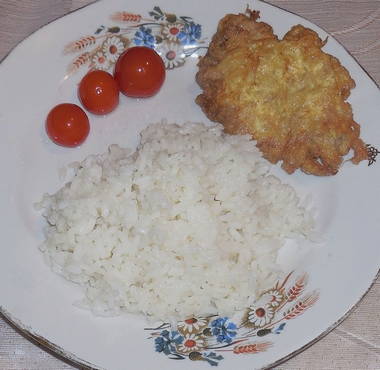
<point>223,329</point>
<point>144,37</point>
<point>190,33</point>
<point>167,341</point>
<point>212,358</point>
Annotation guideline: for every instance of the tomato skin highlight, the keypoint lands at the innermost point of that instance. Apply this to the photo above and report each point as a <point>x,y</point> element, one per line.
<point>67,125</point>
<point>140,72</point>
<point>98,92</point>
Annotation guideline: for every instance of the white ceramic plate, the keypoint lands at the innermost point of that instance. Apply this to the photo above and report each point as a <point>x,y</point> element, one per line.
<point>34,77</point>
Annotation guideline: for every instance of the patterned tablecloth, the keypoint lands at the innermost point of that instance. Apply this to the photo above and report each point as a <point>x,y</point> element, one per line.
<point>355,344</point>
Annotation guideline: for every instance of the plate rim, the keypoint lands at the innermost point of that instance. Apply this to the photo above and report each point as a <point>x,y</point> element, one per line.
<point>70,358</point>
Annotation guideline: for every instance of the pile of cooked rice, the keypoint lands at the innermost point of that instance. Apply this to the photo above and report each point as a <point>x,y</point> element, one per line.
<point>189,224</point>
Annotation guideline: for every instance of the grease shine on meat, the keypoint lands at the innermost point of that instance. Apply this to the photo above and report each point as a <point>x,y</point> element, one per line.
<point>288,94</point>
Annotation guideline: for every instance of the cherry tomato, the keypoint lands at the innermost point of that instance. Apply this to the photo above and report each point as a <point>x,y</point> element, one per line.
<point>67,125</point>
<point>98,92</point>
<point>139,72</point>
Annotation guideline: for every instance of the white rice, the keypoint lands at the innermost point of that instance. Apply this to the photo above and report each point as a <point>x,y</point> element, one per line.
<point>189,224</point>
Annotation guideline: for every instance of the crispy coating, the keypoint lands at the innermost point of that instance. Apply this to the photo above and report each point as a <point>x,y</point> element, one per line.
<point>288,94</point>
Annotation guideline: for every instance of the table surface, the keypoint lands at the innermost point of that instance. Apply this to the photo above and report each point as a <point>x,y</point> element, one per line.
<point>355,344</point>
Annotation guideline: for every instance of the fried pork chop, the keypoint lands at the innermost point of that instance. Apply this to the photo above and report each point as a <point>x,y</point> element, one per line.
<point>288,94</point>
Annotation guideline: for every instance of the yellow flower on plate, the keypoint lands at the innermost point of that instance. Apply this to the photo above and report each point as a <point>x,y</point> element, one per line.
<point>192,325</point>
<point>191,343</point>
<point>171,31</point>
<point>100,61</point>
<point>112,48</point>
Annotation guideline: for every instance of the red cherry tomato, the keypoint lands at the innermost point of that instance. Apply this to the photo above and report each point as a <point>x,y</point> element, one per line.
<point>98,92</point>
<point>67,125</point>
<point>139,72</point>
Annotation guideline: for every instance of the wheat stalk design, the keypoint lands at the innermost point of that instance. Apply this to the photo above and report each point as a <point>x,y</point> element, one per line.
<point>301,306</point>
<point>80,44</point>
<point>126,17</point>
<point>252,348</point>
<point>78,62</point>
<point>296,290</point>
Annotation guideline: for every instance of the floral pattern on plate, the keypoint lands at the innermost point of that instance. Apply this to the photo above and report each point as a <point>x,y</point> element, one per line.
<point>175,38</point>
<point>210,338</point>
